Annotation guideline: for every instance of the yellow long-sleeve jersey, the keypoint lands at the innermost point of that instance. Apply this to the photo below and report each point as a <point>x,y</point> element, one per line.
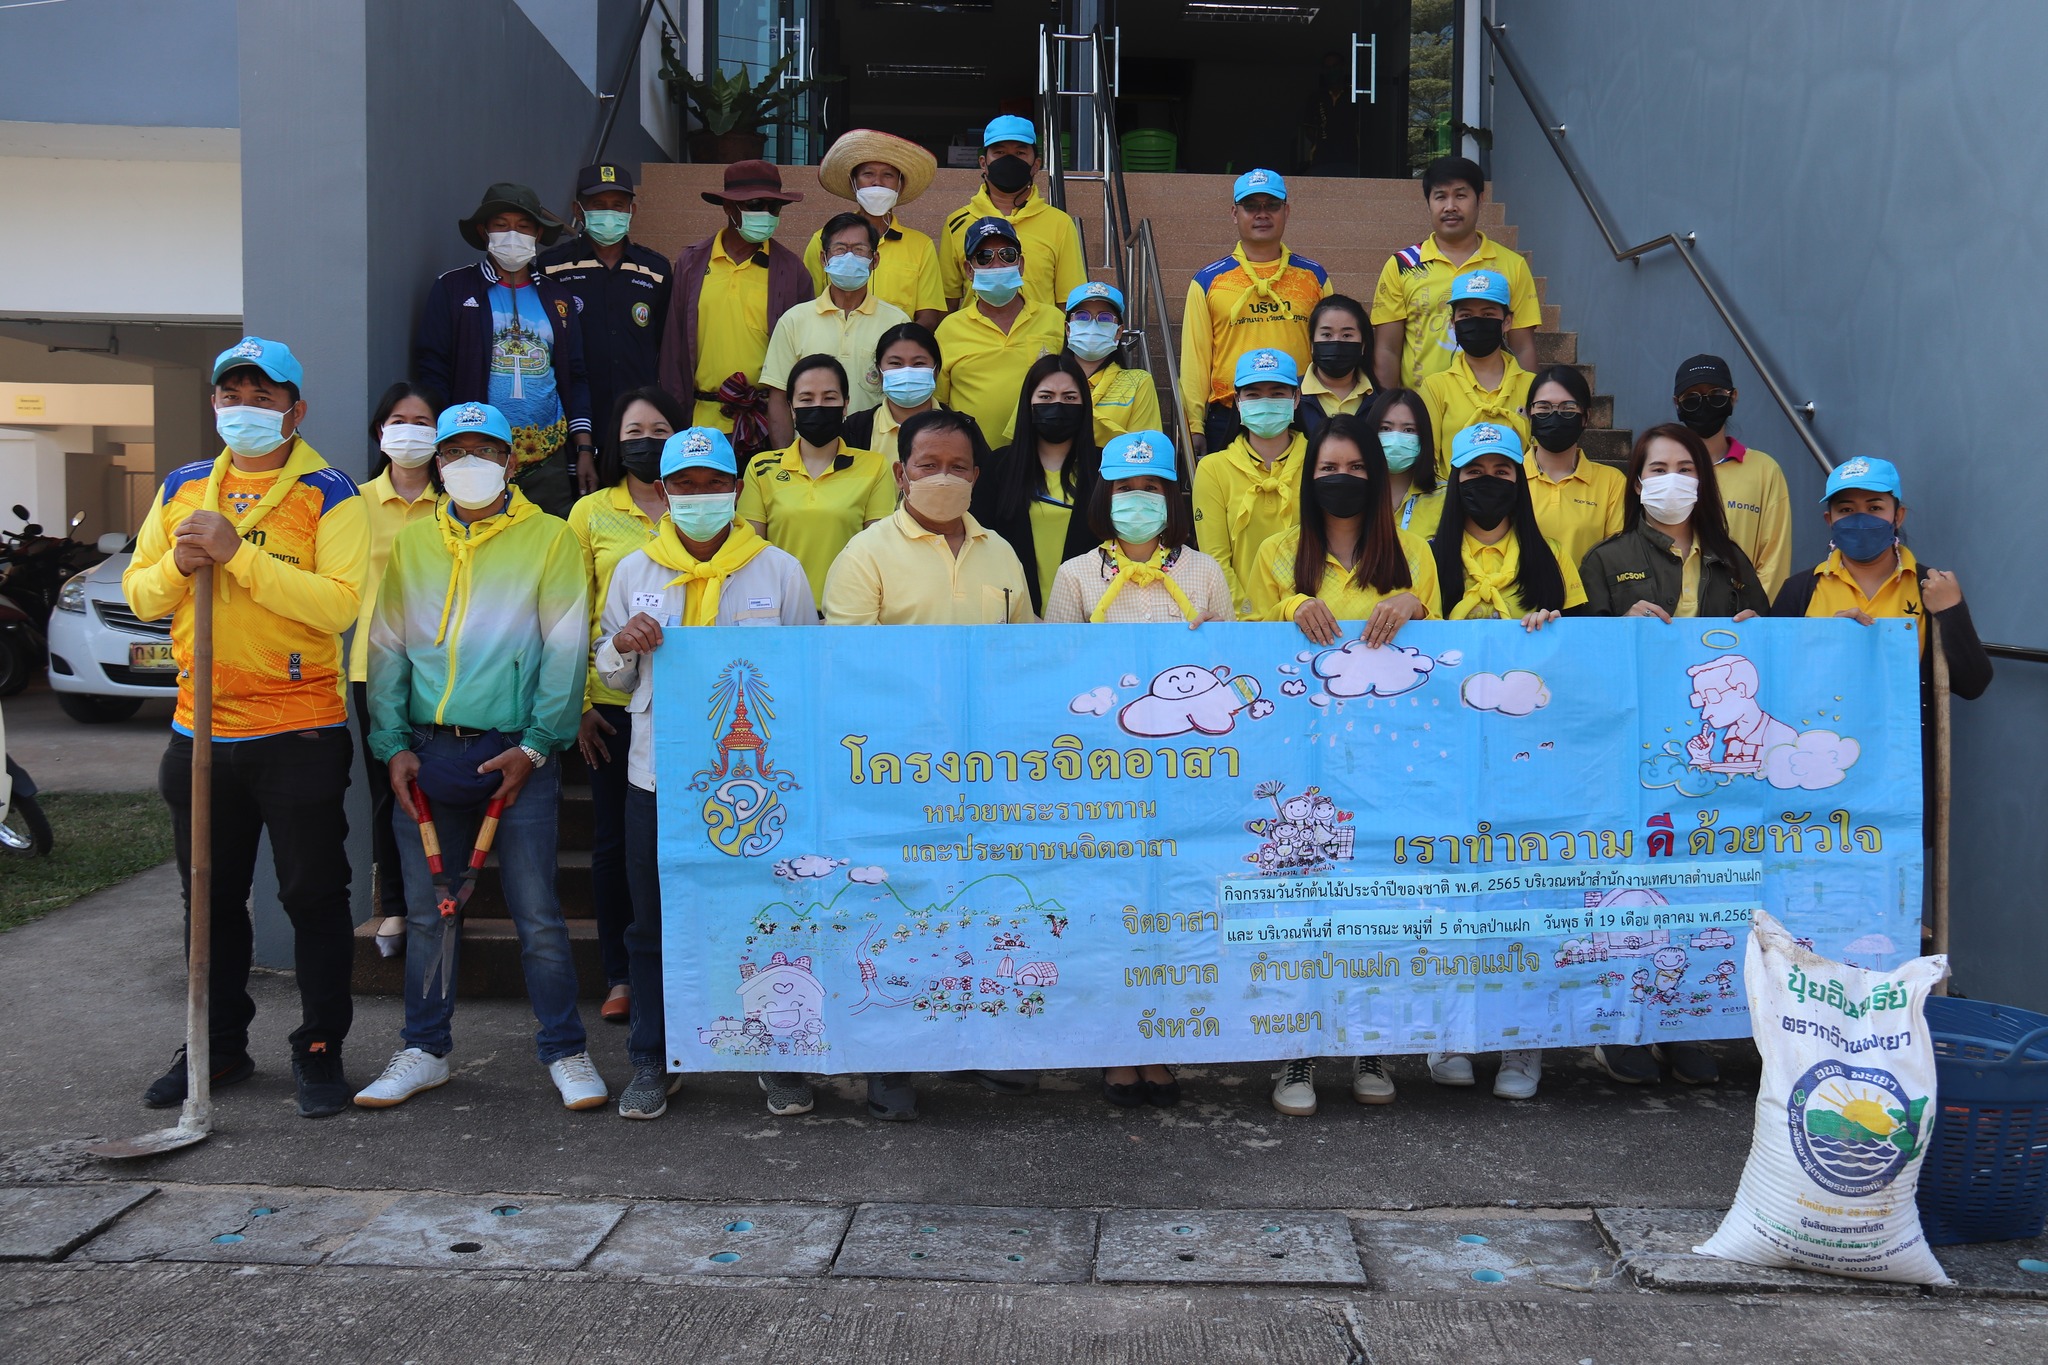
<point>280,605</point>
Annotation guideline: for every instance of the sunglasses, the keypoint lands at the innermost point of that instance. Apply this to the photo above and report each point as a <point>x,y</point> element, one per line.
<point>998,255</point>
<point>1712,398</point>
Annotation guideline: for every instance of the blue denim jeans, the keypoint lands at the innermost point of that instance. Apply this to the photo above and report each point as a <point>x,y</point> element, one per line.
<point>647,1041</point>
<point>525,847</point>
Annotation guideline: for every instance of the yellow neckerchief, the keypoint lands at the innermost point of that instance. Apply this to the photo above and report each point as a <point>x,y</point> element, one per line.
<point>1129,572</point>
<point>702,580</point>
<point>1278,482</point>
<point>1492,405</point>
<point>300,462</point>
<point>1261,285</point>
<point>1483,589</point>
<point>462,540</point>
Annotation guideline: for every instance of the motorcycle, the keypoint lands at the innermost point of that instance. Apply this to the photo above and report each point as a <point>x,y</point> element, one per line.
<point>23,827</point>
<point>33,570</point>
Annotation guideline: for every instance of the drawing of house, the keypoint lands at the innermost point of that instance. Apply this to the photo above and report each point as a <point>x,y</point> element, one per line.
<point>783,996</point>
<point>1038,974</point>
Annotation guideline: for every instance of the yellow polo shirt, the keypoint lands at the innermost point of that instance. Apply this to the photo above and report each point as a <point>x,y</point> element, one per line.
<point>814,518</point>
<point>1898,597</point>
<point>985,365</point>
<point>1456,400</point>
<point>896,573</point>
<point>1415,289</point>
<point>1236,306</point>
<point>1312,386</point>
<point>906,269</point>
<point>1274,597</point>
<point>1240,505</point>
<point>609,525</point>
<point>732,328</point>
<point>1759,511</point>
<point>389,514</point>
<point>1419,513</point>
<point>1053,263</point>
<point>1580,510</point>
<point>821,327</point>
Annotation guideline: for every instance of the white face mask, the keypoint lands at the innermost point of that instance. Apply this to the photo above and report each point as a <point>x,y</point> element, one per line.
<point>408,446</point>
<point>473,482</point>
<point>511,251</point>
<point>875,199</point>
<point>1668,498</point>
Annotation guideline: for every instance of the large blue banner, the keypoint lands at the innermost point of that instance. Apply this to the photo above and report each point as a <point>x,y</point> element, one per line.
<point>913,848</point>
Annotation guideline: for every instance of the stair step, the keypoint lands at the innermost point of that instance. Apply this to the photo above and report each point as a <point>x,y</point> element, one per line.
<point>1608,445</point>
<point>1557,348</point>
<point>488,966</point>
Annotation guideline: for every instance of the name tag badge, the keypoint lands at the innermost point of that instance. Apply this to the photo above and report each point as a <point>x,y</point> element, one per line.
<point>760,604</point>
<point>649,602</point>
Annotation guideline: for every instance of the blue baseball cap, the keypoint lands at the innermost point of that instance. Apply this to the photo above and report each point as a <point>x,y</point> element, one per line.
<point>274,358</point>
<point>1009,128</point>
<point>460,417</point>
<point>1867,474</point>
<point>981,229</point>
<point>1266,367</point>
<point>1490,285</point>
<point>1095,289</point>
<point>1139,452</point>
<point>698,448</point>
<point>1486,438</point>
<point>1258,181</point>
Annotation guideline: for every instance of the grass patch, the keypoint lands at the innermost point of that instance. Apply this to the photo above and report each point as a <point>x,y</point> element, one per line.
<point>102,838</point>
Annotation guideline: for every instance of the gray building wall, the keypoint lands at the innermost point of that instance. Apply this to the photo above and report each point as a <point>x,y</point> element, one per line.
<point>1857,175</point>
<point>139,63</point>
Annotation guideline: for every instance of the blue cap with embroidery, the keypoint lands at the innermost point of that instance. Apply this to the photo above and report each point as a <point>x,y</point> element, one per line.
<point>698,448</point>
<point>1258,181</point>
<point>1009,128</point>
<point>981,229</point>
<point>1266,367</point>
<point>1095,289</point>
<point>1490,285</point>
<point>1865,473</point>
<point>1485,438</point>
<point>1139,452</point>
<point>274,358</point>
<point>457,418</point>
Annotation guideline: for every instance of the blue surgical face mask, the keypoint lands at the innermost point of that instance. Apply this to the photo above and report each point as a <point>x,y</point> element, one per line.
<point>849,272</point>
<point>1863,537</point>
<point>701,516</point>
<point>1093,338</point>
<point>910,386</point>
<point>1401,449</point>
<point>249,431</point>
<point>607,227</point>
<point>996,285</point>
<point>1266,416</point>
<point>1137,517</point>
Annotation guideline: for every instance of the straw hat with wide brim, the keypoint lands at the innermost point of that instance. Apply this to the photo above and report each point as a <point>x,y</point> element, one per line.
<point>859,146</point>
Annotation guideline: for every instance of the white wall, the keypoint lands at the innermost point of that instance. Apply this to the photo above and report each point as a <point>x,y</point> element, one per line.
<point>32,474</point>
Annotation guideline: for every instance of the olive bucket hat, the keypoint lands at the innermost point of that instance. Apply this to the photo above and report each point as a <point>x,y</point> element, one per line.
<point>506,195</point>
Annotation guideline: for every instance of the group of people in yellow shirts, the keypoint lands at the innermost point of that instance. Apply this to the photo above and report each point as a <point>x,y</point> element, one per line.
<point>966,475</point>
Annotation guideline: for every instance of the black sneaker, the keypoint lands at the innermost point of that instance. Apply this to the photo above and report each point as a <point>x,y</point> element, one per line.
<point>1629,1063</point>
<point>323,1089</point>
<point>168,1090</point>
<point>1689,1062</point>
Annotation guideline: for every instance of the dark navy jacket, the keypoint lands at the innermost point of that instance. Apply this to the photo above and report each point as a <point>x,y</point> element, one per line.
<point>451,347</point>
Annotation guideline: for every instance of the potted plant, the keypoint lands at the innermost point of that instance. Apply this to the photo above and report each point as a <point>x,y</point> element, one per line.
<point>731,109</point>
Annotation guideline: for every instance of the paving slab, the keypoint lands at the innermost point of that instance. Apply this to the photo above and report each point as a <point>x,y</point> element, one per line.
<point>784,1241</point>
<point>1484,1255</point>
<point>1238,1246</point>
<point>2009,1270</point>
<point>236,1227</point>
<point>981,1245</point>
<point>45,1222</point>
<point>1656,1246</point>
<point>475,1232</point>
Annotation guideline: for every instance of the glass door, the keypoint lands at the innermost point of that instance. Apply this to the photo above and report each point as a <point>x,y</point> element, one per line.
<point>757,34</point>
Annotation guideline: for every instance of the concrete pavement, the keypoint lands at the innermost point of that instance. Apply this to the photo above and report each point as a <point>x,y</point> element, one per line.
<point>64,755</point>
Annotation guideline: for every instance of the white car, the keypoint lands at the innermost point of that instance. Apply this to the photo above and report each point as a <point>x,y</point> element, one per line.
<point>104,661</point>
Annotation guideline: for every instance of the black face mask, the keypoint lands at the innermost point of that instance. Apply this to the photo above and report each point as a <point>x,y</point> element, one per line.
<point>1557,432</point>
<point>1487,500</point>
<point>1337,358</point>
<point>1478,336</point>
<point>1341,495</point>
<point>1708,418</point>
<point>819,426</point>
<point>642,457</point>
<point>1008,174</point>
<point>1057,422</point>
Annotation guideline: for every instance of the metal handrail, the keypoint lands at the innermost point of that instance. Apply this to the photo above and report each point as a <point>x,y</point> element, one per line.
<point>1146,297</point>
<point>625,71</point>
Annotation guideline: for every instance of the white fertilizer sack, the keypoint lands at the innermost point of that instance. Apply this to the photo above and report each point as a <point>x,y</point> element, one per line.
<point>1843,1116</point>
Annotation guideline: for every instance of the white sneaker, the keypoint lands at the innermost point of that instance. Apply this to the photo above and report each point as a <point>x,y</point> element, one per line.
<point>1450,1068</point>
<point>576,1077</point>
<point>1370,1083</point>
<point>1294,1090</point>
<point>1519,1073</point>
<point>407,1073</point>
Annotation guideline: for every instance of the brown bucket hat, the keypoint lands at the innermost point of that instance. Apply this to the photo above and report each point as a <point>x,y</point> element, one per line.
<point>746,180</point>
<point>506,195</point>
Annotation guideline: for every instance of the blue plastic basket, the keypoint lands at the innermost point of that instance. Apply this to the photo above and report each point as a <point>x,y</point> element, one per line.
<point>1986,1174</point>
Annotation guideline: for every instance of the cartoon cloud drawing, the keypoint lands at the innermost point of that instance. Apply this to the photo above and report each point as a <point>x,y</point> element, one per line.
<point>1357,669</point>
<point>1189,697</point>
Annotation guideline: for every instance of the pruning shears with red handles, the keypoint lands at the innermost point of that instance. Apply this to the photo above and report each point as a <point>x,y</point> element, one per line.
<point>452,893</point>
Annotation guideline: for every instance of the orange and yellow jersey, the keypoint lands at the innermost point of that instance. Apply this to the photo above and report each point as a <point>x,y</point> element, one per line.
<point>279,606</point>
<point>1236,306</point>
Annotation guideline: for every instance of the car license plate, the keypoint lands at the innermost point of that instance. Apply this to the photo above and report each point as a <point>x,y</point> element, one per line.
<point>152,659</point>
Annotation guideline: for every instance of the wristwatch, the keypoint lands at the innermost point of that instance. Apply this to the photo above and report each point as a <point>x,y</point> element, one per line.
<point>534,756</point>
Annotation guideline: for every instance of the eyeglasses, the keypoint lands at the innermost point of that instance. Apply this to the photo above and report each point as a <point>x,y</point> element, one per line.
<point>998,255</point>
<point>773,206</point>
<point>1560,409</point>
<point>1083,315</point>
<point>834,252</point>
<point>1712,398</point>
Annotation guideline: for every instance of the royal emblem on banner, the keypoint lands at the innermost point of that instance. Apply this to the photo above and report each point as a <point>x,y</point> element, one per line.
<point>743,815</point>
